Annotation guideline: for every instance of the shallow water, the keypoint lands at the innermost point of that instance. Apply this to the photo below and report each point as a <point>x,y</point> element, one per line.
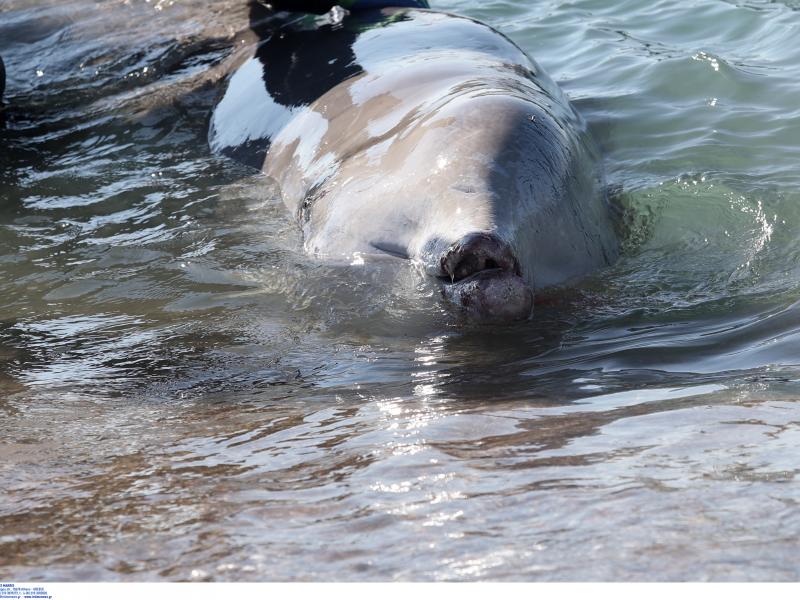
<point>184,395</point>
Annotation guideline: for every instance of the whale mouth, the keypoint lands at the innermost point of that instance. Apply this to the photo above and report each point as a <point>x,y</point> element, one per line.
<point>477,252</point>
<point>482,278</point>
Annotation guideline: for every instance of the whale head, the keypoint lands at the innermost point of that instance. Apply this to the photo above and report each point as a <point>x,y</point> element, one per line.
<point>489,208</point>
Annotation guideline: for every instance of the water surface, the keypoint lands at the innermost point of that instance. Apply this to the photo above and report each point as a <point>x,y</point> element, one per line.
<point>185,395</point>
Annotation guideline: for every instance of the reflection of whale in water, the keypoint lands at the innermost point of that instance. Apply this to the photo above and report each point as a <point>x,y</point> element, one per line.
<point>426,136</point>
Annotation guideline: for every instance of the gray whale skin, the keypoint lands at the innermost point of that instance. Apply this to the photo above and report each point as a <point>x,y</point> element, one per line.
<point>427,136</point>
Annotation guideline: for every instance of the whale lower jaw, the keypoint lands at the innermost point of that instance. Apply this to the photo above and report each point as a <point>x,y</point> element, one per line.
<point>491,296</point>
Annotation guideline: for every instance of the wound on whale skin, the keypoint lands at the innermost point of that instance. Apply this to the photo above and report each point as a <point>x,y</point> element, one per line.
<point>429,136</point>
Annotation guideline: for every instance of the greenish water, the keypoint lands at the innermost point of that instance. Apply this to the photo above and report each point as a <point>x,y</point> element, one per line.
<point>185,395</point>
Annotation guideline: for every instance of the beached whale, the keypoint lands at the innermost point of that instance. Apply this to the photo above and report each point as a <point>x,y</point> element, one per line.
<point>427,136</point>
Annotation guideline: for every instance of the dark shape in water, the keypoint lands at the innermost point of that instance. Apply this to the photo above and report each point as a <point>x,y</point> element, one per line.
<point>2,91</point>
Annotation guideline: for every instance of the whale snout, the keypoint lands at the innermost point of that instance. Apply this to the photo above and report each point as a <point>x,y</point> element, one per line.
<point>482,277</point>
<point>476,252</point>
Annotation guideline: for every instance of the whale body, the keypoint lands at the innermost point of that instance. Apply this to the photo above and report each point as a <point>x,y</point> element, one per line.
<point>427,136</point>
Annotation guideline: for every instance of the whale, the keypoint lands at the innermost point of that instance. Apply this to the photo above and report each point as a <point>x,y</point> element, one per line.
<point>423,136</point>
